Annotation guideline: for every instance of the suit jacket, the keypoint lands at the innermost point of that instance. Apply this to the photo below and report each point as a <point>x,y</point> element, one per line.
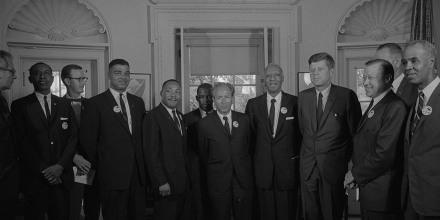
<point>108,143</point>
<point>41,145</point>
<point>166,150</point>
<point>8,155</point>
<point>276,157</point>
<point>378,154</point>
<point>330,145</point>
<point>191,121</point>
<point>422,159</point>
<point>226,155</point>
<point>407,92</point>
<point>79,149</point>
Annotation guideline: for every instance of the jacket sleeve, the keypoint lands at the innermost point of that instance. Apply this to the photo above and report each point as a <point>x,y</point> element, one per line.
<point>89,131</point>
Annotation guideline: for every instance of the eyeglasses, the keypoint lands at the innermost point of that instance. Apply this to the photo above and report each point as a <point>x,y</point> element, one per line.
<point>9,70</point>
<point>80,79</point>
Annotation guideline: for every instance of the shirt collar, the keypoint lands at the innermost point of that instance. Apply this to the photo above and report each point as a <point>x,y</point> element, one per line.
<point>221,115</point>
<point>380,97</point>
<point>168,109</point>
<point>428,90</point>
<point>277,98</point>
<point>397,81</point>
<point>41,96</point>
<point>116,93</point>
<point>68,97</point>
<point>324,92</point>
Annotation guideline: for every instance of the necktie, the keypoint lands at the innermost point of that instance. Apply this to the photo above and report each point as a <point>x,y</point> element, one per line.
<point>4,109</point>
<point>46,108</point>
<point>418,114</point>
<point>319,111</point>
<point>272,114</point>
<point>176,121</point>
<point>227,125</point>
<point>123,109</point>
<point>76,105</point>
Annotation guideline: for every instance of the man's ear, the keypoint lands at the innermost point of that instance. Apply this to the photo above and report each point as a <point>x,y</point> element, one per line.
<point>66,81</point>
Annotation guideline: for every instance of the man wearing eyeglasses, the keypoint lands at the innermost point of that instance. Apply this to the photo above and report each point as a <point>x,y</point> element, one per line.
<point>8,156</point>
<point>46,135</point>
<point>73,77</point>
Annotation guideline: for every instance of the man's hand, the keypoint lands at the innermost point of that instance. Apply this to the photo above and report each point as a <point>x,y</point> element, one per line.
<point>165,190</point>
<point>82,164</point>
<point>53,173</point>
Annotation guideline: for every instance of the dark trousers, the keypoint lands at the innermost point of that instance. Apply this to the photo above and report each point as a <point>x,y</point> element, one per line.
<point>411,214</point>
<point>126,203</point>
<point>9,194</point>
<point>322,200</point>
<point>90,195</point>
<point>237,200</point>
<point>369,214</point>
<point>200,203</point>
<point>53,200</point>
<point>173,207</point>
<point>277,204</point>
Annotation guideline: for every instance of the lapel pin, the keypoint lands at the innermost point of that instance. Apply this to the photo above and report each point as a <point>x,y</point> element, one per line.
<point>370,114</point>
<point>116,109</point>
<point>64,125</point>
<point>284,110</point>
<point>336,115</point>
<point>427,110</point>
<point>235,124</point>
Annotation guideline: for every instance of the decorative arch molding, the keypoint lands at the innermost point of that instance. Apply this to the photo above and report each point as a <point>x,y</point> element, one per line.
<point>52,21</point>
<point>375,20</point>
<point>289,2</point>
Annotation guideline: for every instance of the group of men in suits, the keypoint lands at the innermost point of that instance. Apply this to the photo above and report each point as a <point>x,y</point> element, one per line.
<point>212,164</point>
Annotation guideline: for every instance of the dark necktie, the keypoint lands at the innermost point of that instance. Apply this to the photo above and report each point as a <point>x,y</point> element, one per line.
<point>4,109</point>
<point>227,124</point>
<point>76,105</point>
<point>319,111</point>
<point>46,108</point>
<point>272,114</point>
<point>418,114</point>
<point>176,121</point>
<point>123,109</point>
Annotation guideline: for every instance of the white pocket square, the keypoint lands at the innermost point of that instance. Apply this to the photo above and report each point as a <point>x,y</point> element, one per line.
<point>290,118</point>
<point>63,119</point>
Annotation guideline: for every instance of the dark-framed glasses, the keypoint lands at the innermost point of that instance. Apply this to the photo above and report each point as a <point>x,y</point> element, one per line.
<point>80,79</point>
<point>9,70</point>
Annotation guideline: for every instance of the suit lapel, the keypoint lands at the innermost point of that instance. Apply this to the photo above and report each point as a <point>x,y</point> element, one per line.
<point>402,86</point>
<point>328,105</point>
<point>133,112</point>
<point>431,102</point>
<point>409,121</point>
<point>112,104</point>
<point>312,109</point>
<point>170,120</point>
<point>54,109</point>
<point>281,115</point>
<point>36,111</point>
<point>219,123</point>
<point>262,108</point>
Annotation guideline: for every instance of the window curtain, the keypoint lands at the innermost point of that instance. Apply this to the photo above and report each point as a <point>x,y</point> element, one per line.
<point>422,21</point>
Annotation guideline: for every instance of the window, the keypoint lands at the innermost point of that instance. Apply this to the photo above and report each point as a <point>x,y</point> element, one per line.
<point>245,88</point>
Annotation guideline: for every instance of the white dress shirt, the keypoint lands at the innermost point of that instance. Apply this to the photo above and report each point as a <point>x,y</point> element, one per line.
<point>127,106</point>
<point>40,98</point>
<point>277,106</point>
<point>229,115</point>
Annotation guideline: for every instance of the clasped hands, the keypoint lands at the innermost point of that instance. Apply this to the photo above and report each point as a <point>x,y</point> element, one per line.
<point>82,164</point>
<point>52,174</point>
<point>349,181</point>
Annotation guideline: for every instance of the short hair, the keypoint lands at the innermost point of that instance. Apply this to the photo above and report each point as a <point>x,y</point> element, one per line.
<point>33,70</point>
<point>323,56</point>
<point>4,55</point>
<point>204,86</point>
<point>118,62</point>
<point>170,80</point>
<point>273,65</point>
<point>386,67</point>
<point>428,47</point>
<point>65,72</point>
<point>223,84</point>
<point>392,47</point>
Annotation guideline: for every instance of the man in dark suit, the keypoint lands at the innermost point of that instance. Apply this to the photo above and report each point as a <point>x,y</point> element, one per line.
<point>110,134</point>
<point>328,118</point>
<point>8,154</point>
<point>377,152</point>
<point>46,134</point>
<point>393,53</point>
<point>200,204</point>
<point>73,77</point>
<point>224,140</point>
<point>421,181</point>
<point>164,138</point>
<point>276,144</point>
